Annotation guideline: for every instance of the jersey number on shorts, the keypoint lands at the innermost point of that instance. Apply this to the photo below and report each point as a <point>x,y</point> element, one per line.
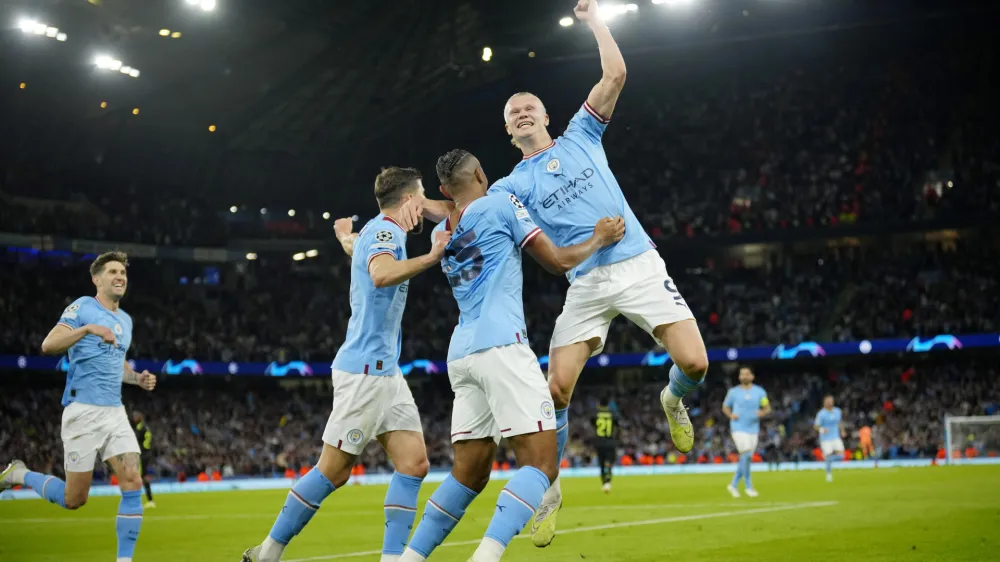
<point>463,251</point>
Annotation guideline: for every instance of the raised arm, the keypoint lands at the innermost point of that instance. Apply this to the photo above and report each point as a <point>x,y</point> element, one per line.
<point>62,337</point>
<point>342,228</point>
<point>604,96</point>
<point>558,260</point>
<point>387,271</point>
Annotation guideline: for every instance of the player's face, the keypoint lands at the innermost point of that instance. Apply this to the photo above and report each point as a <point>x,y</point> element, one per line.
<point>828,402</point>
<point>525,116</point>
<point>113,281</point>
<point>746,376</point>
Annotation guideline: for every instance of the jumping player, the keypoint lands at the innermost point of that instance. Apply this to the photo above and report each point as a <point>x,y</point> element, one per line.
<point>500,390</point>
<point>567,186</point>
<point>371,399</point>
<point>744,405</point>
<point>97,334</point>
<point>829,423</point>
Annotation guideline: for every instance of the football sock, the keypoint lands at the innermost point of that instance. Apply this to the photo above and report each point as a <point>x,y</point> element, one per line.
<point>400,510</point>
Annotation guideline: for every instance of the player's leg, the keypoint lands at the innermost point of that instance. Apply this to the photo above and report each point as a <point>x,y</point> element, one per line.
<point>474,436</point>
<point>522,406</point>
<point>356,413</point>
<point>606,458</point>
<point>402,438</point>
<point>121,453</point>
<point>470,473</point>
<point>145,464</point>
<point>652,302</point>
<point>747,459</point>
<point>827,448</point>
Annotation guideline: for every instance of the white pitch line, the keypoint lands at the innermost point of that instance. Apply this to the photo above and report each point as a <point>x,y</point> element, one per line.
<point>331,513</point>
<point>660,521</point>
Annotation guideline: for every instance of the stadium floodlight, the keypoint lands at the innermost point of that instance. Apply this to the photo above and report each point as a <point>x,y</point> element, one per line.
<point>51,32</point>
<point>104,105</point>
<point>125,69</point>
<point>164,32</point>
<point>612,11</point>
<point>175,35</point>
<point>326,216</point>
<point>251,256</point>
<point>26,25</point>
<point>135,111</point>
<point>61,36</point>
<point>312,253</point>
<point>211,128</point>
<point>566,21</point>
<point>291,212</point>
<point>233,209</point>
<point>263,211</point>
<point>299,256</point>
<point>134,73</point>
<point>207,5</point>
<point>487,54</point>
<point>103,61</point>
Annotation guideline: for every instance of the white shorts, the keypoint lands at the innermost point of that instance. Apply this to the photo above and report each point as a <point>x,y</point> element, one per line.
<point>88,430</point>
<point>366,406</point>
<point>831,446</point>
<point>745,442</point>
<point>499,392</point>
<point>638,288</point>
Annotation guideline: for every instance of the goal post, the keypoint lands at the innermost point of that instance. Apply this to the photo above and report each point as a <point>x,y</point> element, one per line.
<point>969,438</point>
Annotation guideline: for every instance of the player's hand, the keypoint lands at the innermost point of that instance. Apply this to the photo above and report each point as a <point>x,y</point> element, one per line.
<point>102,332</point>
<point>343,227</point>
<point>587,11</point>
<point>822,430</point>
<point>147,380</point>
<point>441,239</point>
<point>608,230</point>
<point>410,212</point>
<point>734,417</point>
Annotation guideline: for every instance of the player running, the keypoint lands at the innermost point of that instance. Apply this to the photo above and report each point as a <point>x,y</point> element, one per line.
<point>500,390</point>
<point>567,186</point>
<point>145,439</point>
<point>744,405</point>
<point>370,397</point>
<point>829,423</point>
<point>97,334</point>
<point>606,441</point>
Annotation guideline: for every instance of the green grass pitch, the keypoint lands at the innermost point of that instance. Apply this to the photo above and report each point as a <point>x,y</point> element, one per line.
<point>933,513</point>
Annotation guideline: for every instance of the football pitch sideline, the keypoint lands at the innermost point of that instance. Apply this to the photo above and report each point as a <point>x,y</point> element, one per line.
<point>932,513</point>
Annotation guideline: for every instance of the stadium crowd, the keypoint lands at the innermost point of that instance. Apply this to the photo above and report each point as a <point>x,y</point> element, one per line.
<point>266,431</point>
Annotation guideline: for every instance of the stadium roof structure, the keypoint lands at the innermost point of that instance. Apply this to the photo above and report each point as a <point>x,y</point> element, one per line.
<point>219,93</point>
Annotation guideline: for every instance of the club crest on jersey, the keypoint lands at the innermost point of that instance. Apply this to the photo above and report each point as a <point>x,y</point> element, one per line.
<point>355,436</point>
<point>515,201</point>
<point>547,411</point>
<point>383,236</point>
<point>74,457</point>
<point>553,165</point>
<point>118,328</point>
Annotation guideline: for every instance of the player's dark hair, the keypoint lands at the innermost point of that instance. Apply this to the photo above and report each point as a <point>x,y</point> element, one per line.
<point>447,164</point>
<point>393,183</point>
<point>102,260</point>
<point>604,402</point>
<point>747,367</point>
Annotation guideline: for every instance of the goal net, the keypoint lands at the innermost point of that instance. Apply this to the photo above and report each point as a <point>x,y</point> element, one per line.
<point>968,439</point>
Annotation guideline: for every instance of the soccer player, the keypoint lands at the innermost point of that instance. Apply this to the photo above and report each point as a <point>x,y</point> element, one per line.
<point>500,390</point>
<point>370,397</point>
<point>567,186</point>
<point>830,426</point>
<point>744,405</point>
<point>145,438</point>
<point>606,441</point>
<point>97,333</point>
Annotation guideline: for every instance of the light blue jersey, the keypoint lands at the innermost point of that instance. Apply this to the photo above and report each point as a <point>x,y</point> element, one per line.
<point>830,421</point>
<point>568,187</point>
<point>483,266</point>
<point>374,332</point>
<point>96,368</point>
<point>745,403</point>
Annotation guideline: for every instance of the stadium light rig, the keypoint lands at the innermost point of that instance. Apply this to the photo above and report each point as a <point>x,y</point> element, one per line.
<point>233,209</point>
<point>251,256</point>
<point>32,27</point>
<point>566,21</point>
<point>291,212</point>
<point>612,11</point>
<point>105,62</point>
<point>312,253</point>
<point>205,5</point>
<point>299,256</point>
<point>487,54</point>
<point>326,216</point>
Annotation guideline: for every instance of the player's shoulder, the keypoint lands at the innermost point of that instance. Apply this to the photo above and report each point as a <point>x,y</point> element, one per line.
<point>760,389</point>
<point>383,229</point>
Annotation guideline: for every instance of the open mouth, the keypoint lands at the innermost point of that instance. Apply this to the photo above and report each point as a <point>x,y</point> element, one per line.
<point>118,285</point>
<point>524,124</point>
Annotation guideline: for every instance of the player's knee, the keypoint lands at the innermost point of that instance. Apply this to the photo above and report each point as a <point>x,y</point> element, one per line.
<point>694,367</point>
<point>561,392</point>
<point>75,502</point>
<point>417,467</point>
<point>550,468</point>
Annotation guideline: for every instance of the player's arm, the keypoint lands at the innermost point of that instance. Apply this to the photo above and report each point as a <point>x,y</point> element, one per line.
<point>342,228</point>
<point>144,379</point>
<point>62,337</point>
<point>386,271</point>
<point>558,260</point>
<point>765,407</point>
<point>843,432</point>
<point>434,210</point>
<point>817,426</point>
<point>604,96</point>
